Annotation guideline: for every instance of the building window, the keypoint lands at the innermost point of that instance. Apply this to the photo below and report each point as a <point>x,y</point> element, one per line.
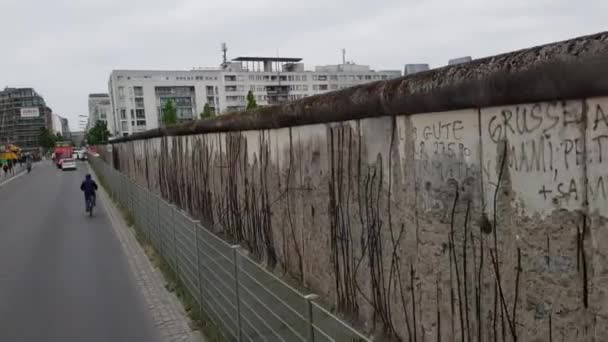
<point>384,77</point>
<point>230,78</point>
<point>139,91</point>
<point>322,86</point>
<point>132,114</point>
<point>322,77</point>
<point>124,126</point>
<point>304,78</point>
<point>140,113</point>
<point>333,87</point>
<point>333,77</point>
<point>290,77</point>
<point>123,113</point>
<point>305,87</point>
<point>141,122</point>
<point>315,87</point>
<point>184,113</point>
<point>252,87</point>
<point>298,78</point>
<point>139,102</point>
<point>121,92</point>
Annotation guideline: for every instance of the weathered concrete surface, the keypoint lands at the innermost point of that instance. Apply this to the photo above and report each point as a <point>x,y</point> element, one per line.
<point>478,223</point>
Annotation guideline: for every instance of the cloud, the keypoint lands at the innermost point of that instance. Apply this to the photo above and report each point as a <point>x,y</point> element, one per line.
<point>67,48</point>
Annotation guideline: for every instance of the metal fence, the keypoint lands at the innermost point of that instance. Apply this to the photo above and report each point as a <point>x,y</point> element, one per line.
<point>243,299</point>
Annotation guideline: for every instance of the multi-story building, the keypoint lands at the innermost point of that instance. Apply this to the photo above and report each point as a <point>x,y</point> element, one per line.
<point>138,96</point>
<point>100,108</point>
<point>65,129</point>
<point>56,126</point>
<point>23,113</point>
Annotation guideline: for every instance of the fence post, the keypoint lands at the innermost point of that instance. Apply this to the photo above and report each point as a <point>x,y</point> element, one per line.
<point>131,198</point>
<point>311,328</point>
<point>198,269</point>
<point>160,233</point>
<point>235,259</point>
<point>173,211</point>
<point>149,216</point>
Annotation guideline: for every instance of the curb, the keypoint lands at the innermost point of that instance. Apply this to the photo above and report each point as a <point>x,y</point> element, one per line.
<point>13,177</point>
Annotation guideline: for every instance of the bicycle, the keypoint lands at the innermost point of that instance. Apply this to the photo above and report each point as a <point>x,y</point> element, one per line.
<point>90,205</point>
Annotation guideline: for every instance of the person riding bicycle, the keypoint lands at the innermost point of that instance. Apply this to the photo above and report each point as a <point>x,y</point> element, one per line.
<point>89,187</point>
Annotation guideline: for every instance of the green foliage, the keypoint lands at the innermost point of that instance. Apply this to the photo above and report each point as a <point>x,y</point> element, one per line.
<point>207,112</point>
<point>169,114</point>
<point>251,104</point>
<point>99,134</point>
<point>46,139</point>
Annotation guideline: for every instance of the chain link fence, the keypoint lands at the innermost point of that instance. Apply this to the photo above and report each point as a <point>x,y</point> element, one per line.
<point>243,299</point>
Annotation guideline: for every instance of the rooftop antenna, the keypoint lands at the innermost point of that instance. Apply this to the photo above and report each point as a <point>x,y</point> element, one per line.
<point>224,50</point>
<point>343,56</point>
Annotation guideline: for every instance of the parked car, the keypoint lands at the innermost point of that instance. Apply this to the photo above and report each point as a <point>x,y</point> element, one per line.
<point>68,164</point>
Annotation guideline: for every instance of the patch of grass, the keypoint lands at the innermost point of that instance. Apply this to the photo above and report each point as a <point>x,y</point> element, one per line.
<point>199,319</point>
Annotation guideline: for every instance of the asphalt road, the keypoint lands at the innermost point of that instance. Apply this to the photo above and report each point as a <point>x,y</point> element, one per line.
<point>63,275</point>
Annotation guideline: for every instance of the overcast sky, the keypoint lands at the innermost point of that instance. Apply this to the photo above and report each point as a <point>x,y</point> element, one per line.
<point>66,49</point>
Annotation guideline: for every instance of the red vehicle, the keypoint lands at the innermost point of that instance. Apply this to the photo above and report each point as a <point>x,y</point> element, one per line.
<point>63,150</point>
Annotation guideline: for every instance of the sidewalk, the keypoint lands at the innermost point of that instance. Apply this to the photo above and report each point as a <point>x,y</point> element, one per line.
<point>17,170</point>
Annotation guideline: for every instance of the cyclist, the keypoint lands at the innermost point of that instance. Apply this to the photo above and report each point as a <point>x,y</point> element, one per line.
<point>89,187</point>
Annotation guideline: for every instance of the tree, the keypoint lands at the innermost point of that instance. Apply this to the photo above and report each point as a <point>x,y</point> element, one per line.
<point>251,104</point>
<point>99,134</point>
<point>46,139</point>
<point>59,137</point>
<point>207,112</point>
<point>169,114</point>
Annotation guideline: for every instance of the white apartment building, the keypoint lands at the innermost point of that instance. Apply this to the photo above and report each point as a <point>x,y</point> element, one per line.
<point>138,96</point>
<point>100,108</point>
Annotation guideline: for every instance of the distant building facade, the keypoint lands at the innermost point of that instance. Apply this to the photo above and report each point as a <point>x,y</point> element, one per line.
<point>65,129</point>
<point>78,138</point>
<point>23,112</point>
<point>137,97</point>
<point>100,108</point>
<point>411,69</point>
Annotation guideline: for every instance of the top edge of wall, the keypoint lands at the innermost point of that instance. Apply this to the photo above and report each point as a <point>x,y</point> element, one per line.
<point>575,68</point>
